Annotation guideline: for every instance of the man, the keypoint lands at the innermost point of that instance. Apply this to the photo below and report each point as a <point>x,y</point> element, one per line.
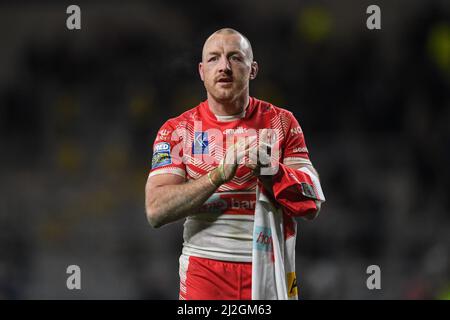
<point>197,172</point>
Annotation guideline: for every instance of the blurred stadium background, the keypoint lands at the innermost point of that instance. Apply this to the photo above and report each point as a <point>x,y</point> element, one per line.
<point>79,111</point>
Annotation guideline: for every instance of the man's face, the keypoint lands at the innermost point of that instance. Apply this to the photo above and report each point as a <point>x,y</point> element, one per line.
<point>227,66</point>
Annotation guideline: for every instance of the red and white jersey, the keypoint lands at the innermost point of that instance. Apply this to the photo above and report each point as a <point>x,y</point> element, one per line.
<point>193,143</point>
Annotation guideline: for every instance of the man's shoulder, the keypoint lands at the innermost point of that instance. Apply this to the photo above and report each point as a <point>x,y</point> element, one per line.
<point>189,115</point>
<point>265,106</point>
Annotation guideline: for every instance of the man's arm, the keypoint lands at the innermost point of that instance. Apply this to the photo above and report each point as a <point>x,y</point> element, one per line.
<point>313,215</point>
<point>267,182</point>
<point>169,198</point>
<point>295,158</point>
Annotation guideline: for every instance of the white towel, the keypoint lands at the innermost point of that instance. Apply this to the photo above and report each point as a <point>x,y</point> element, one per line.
<point>273,260</point>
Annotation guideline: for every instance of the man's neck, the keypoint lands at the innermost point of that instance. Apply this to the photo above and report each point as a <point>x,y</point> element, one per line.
<point>228,108</point>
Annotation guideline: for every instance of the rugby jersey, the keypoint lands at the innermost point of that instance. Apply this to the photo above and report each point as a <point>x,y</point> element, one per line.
<point>193,144</point>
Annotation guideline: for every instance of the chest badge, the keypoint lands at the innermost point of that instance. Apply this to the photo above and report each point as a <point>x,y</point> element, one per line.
<point>200,145</point>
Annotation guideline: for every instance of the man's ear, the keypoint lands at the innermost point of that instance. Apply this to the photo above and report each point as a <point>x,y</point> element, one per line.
<point>254,70</point>
<point>200,71</point>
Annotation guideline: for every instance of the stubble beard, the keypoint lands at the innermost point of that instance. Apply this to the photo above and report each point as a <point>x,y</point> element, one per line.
<point>226,96</point>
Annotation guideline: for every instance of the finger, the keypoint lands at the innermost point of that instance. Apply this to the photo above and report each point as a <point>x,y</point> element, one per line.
<point>256,170</point>
<point>247,147</point>
<point>240,151</point>
<point>230,155</point>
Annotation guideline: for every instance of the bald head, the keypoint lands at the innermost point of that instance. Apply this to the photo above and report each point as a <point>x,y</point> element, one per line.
<point>244,43</point>
<point>227,66</point>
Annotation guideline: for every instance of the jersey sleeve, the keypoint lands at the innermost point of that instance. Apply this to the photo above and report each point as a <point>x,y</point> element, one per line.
<point>167,155</point>
<point>295,150</point>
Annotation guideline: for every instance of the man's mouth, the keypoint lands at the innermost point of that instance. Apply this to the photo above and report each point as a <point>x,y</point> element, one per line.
<point>225,80</point>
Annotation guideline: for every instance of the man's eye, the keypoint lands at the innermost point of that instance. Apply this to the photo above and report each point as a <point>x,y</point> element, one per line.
<point>212,59</point>
<point>236,58</point>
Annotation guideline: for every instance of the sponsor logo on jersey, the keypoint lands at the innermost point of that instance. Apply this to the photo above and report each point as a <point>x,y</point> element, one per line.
<point>162,147</point>
<point>242,204</point>
<point>161,155</point>
<point>200,143</point>
<point>296,130</point>
<point>163,134</point>
<point>218,203</point>
<point>292,284</point>
<point>300,150</point>
<point>238,130</point>
<point>308,190</point>
<point>215,206</point>
<point>262,239</point>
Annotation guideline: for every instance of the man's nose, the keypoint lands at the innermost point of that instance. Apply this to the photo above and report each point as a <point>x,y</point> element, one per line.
<point>224,64</point>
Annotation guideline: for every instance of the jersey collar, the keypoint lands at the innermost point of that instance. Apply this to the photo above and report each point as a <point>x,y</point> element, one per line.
<point>204,106</point>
